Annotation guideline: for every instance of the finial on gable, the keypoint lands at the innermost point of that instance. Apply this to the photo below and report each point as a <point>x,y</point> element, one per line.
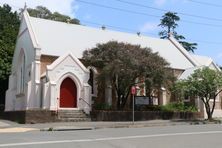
<point>25,7</point>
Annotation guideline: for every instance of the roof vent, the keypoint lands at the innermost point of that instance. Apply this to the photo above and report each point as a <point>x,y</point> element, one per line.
<point>103,27</point>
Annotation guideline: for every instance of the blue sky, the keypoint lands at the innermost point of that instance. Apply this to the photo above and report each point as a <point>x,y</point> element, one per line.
<point>195,29</point>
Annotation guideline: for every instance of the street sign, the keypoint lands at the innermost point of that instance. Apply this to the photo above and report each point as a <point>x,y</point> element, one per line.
<point>133,90</point>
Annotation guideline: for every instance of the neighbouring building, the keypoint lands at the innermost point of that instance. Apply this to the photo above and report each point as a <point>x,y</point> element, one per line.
<point>47,72</point>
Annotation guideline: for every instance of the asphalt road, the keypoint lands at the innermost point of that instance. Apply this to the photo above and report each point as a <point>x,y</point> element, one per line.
<point>183,136</point>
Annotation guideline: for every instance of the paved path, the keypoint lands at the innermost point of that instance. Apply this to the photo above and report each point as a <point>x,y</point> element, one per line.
<point>3,123</point>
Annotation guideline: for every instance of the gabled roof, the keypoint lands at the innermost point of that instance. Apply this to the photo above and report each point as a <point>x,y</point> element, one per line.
<point>56,38</point>
<point>202,60</point>
<point>62,58</point>
<point>206,61</point>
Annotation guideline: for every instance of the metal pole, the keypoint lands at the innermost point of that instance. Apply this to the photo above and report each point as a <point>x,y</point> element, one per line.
<point>133,109</point>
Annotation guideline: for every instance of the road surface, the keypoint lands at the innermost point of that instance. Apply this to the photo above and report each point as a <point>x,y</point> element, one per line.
<point>182,136</point>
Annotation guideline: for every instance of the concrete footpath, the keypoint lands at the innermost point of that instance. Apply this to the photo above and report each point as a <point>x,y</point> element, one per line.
<point>8,126</point>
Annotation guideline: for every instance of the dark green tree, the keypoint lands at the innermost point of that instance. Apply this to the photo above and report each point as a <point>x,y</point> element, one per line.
<point>9,26</point>
<point>122,63</point>
<point>169,23</point>
<point>205,84</point>
<point>43,12</point>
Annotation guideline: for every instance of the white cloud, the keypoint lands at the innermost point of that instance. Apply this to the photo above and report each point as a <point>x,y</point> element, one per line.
<point>163,2</point>
<point>160,2</point>
<point>67,7</point>
<point>148,26</point>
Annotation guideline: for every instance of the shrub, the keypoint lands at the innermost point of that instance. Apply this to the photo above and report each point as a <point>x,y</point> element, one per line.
<point>148,108</point>
<point>181,107</point>
<point>103,106</point>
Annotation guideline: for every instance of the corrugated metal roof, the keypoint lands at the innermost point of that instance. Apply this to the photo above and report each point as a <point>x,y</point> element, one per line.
<point>57,38</point>
<point>202,60</point>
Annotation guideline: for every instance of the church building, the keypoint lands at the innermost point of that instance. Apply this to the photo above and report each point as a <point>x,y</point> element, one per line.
<point>47,72</point>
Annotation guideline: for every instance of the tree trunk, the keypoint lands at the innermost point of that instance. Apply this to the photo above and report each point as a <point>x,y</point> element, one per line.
<point>118,103</point>
<point>208,110</point>
<point>207,107</point>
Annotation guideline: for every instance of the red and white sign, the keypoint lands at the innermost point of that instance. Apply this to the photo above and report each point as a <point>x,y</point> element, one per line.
<point>133,90</point>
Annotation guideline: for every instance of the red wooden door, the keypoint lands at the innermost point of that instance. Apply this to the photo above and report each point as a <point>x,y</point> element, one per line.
<point>68,94</point>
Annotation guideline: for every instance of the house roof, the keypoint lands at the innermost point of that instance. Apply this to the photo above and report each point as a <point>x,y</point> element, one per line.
<point>56,38</point>
<point>202,60</point>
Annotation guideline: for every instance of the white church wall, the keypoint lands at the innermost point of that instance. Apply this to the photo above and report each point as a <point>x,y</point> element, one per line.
<point>15,101</point>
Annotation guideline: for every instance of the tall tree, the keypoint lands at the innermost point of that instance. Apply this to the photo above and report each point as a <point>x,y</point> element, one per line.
<point>169,22</point>
<point>122,63</point>
<point>9,25</point>
<point>205,84</point>
<point>43,12</point>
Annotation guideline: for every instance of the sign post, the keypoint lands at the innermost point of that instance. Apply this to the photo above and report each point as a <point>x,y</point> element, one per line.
<point>133,92</point>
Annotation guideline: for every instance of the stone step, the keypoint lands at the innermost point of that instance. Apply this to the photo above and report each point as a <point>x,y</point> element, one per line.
<point>74,119</point>
<point>72,116</point>
<point>70,113</point>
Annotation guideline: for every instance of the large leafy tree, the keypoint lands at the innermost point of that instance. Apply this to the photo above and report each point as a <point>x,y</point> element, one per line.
<point>122,63</point>
<point>205,84</point>
<point>169,23</point>
<point>9,25</point>
<point>43,12</point>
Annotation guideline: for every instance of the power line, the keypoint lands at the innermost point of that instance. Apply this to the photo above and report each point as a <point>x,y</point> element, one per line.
<point>205,3</point>
<point>144,14</point>
<point>116,27</point>
<point>119,9</point>
<point>134,31</point>
<point>204,41</point>
<point>165,10</point>
<point>204,24</point>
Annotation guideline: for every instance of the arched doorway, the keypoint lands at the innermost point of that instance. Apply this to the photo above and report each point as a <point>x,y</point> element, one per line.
<point>68,94</point>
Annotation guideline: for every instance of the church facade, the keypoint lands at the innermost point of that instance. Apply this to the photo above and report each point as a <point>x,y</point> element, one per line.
<point>47,72</point>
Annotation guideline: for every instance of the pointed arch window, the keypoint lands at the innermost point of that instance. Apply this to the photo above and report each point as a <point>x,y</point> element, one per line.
<point>21,74</point>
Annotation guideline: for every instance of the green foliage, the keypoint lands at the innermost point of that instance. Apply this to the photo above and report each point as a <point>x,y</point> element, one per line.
<point>179,107</point>
<point>148,108</point>
<point>205,84</point>
<point>103,106</point>
<point>9,25</point>
<point>171,107</point>
<point>43,12</point>
<point>122,63</point>
<point>169,22</point>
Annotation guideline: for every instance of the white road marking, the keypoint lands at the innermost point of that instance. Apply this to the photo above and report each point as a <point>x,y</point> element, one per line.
<point>107,139</point>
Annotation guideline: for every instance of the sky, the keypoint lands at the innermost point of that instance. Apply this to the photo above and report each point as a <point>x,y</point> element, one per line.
<point>201,20</point>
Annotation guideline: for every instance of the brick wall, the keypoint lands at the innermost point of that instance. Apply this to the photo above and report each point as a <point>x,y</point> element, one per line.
<point>30,116</point>
<point>46,60</point>
<point>143,115</point>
